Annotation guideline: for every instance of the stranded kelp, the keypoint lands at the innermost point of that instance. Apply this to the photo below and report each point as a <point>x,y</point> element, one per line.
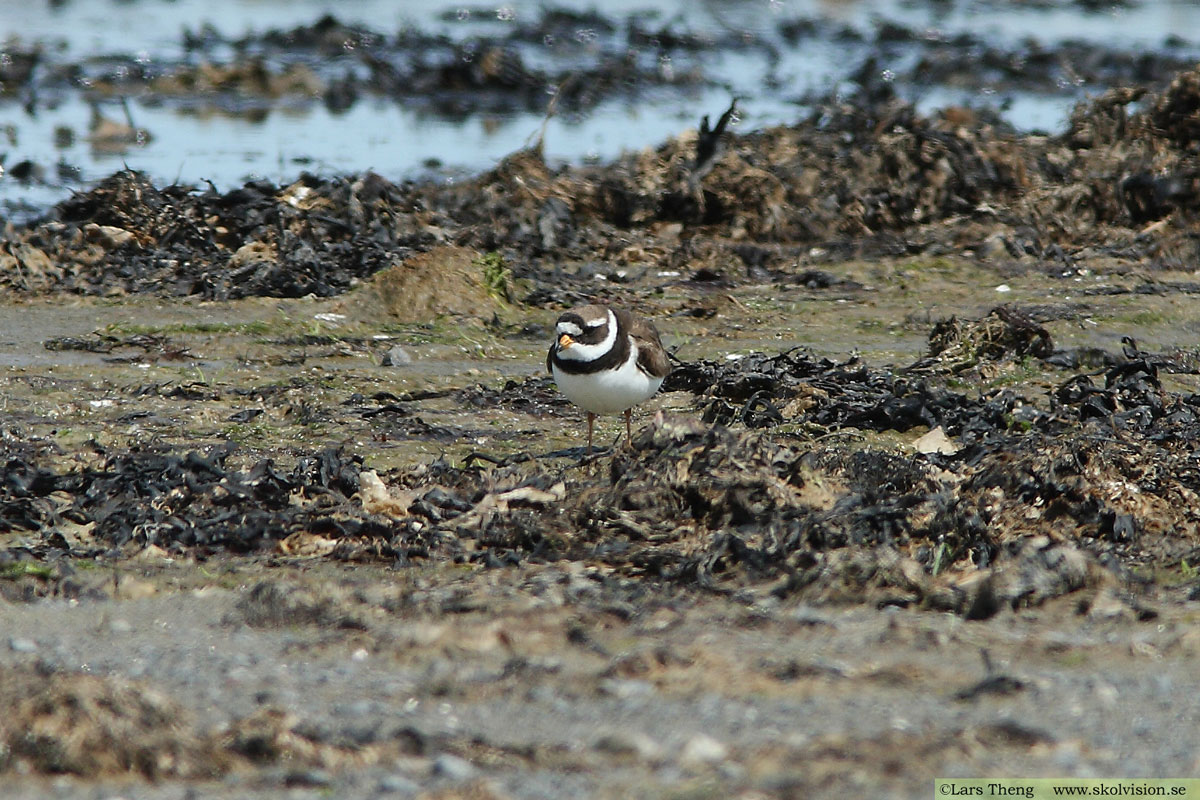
<point>1030,507</point>
<point>769,488</point>
<point>128,236</point>
<point>862,176</point>
<point>820,395</point>
<point>132,499</point>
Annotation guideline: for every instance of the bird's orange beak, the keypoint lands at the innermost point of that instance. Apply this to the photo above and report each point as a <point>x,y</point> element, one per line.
<point>565,341</point>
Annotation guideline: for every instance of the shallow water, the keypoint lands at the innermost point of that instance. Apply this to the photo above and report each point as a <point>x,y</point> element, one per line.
<point>400,140</point>
<point>153,26</point>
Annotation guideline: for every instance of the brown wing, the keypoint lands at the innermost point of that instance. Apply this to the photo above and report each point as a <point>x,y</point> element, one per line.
<point>549,360</point>
<point>652,357</point>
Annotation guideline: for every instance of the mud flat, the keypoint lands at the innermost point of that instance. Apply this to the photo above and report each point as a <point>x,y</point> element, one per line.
<point>919,498</point>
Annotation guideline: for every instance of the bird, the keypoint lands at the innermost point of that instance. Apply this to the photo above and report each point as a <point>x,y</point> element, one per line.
<point>606,360</point>
<point>708,142</point>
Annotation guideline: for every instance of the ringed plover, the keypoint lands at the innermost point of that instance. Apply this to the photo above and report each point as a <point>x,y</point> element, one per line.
<point>606,360</point>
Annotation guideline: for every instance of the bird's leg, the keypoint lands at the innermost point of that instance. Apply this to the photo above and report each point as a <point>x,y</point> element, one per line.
<point>628,430</point>
<point>591,423</point>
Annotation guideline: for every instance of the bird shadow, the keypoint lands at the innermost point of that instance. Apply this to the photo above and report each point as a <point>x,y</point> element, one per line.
<point>579,453</point>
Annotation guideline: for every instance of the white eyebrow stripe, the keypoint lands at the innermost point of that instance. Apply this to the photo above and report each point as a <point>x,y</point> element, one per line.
<point>569,328</point>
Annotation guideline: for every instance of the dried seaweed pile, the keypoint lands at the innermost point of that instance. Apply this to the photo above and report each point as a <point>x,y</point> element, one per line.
<point>763,390</point>
<point>1030,507</point>
<point>127,236</point>
<point>1101,470</point>
<point>711,507</point>
<point>861,178</point>
<point>1033,499</point>
<point>152,497</point>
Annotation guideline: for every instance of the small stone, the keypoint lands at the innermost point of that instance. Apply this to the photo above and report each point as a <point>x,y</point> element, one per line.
<point>27,172</point>
<point>628,744</point>
<point>992,247</point>
<point>626,689</point>
<point>702,749</point>
<point>355,708</point>
<point>19,645</point>
<point>809,616</point>
<point>936,441</point>
<point>453,767</point>
<point>396,357</point>
<point>107,236</point>
<point>308,777</point>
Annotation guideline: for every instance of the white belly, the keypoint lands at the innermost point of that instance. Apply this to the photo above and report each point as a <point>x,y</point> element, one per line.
<point>607,391</point>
